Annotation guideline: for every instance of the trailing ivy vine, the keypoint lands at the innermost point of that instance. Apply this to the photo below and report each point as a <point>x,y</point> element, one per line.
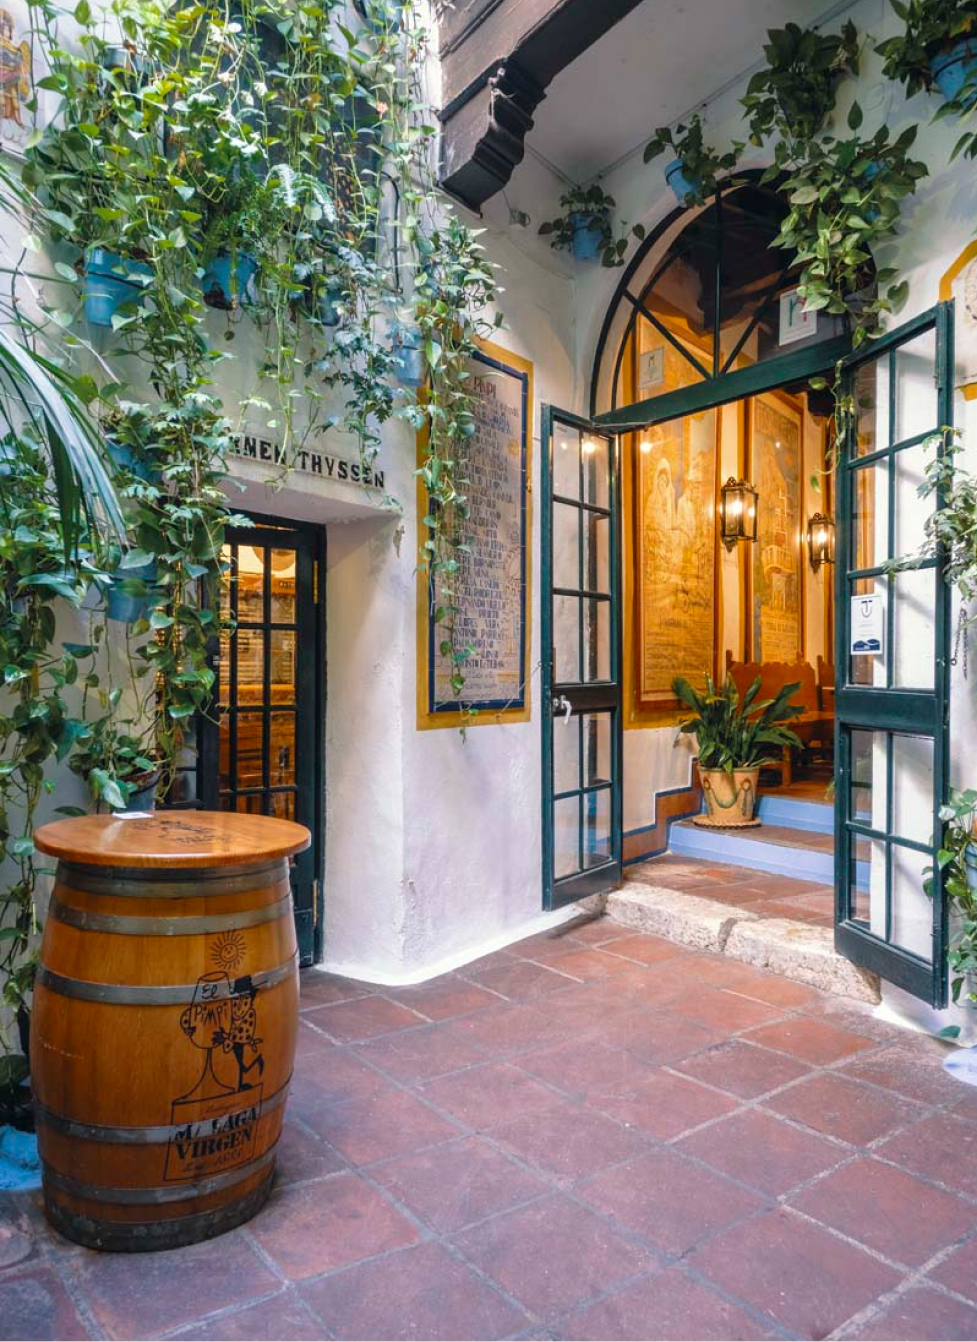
<point>298,153</point>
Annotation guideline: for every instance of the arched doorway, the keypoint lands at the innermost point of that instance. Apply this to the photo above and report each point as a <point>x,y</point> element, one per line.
<point>708,367</point>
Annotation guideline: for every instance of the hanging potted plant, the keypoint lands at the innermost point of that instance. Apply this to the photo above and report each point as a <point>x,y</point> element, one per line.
<point>793,95</point>
<point>112,282</point>
<point>694,171</point>
<point>120,770</point>
<point>735,739</point>
<point>243,218</point>
<point>407,355</point>
<point>845,200</point>
<point>128,589</point>
<point>937,46</point>
<point>584,228</point>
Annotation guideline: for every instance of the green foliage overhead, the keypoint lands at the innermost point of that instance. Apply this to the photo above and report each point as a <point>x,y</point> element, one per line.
<point>736,735</point>
<point>798,84</point>
<point>846,198</point>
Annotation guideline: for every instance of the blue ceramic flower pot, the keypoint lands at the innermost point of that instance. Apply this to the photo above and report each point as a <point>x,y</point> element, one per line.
<point>955,68</point>
<point>587,233</point>
<point>683,187</point>
<point>127,599</point>
<point>225,288</point>
<point>408,357</point>
<point>110,282</point>
<point>374,17</point>
<point>123,458</point>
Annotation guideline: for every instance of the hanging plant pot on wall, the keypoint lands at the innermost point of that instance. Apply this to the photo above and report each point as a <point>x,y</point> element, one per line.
<point>111,281</point>
<point>685,187</point>
<point>956,67</point>
<point>380,14</point>
<point>129,595</point>
<point>124,458</point>
<point>323,303</point>
<point>228,280</point>
<point>408,356</point>
<point>589,231</point>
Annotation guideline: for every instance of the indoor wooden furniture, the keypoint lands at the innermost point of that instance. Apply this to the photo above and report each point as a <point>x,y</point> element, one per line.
<point>164,1023</point>
<point>814,725</point>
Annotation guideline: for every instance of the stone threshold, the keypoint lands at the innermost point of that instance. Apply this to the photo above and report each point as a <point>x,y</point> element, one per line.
<point>796,950</point>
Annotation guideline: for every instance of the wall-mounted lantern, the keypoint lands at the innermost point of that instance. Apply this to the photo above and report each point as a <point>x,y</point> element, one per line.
<point>820,540</point>
<point>737,512</point>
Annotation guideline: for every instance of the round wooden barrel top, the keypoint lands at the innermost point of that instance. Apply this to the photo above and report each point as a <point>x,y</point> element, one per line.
<point>172,839</point>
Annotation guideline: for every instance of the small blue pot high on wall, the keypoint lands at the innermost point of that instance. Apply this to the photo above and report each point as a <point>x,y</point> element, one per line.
<point>124,604</point>
<point>110,281</point>
<point>225,290</point>
<point>954,68</point>
<point>683,187</point>
<point>588,229</point>
<point>408,357</point>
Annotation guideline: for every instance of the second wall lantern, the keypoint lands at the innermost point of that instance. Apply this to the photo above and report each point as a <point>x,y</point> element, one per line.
<point>737,512</point>
<point>820,540</point>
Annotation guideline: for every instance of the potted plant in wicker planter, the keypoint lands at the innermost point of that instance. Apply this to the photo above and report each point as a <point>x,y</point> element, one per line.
<point>735,739</point>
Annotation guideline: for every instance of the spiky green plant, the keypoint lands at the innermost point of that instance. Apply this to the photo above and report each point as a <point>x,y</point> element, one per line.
<point>734,735</point>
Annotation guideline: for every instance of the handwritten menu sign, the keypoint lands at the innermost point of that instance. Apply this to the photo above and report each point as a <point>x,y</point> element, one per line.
<point>493,582</point>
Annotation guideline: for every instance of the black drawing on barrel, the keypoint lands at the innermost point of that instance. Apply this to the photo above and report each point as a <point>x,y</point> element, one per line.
<point>222,1018</point>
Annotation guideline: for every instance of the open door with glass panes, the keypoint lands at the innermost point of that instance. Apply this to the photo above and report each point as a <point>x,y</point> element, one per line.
<point>581,659</point>
<point>261,749</point>
<point>891,699</point>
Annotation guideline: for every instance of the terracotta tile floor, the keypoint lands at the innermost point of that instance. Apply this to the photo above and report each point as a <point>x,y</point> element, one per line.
<point>594,1134</point>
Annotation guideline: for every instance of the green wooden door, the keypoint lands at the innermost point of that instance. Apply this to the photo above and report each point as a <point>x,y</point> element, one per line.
<point>261,750</point>
<point>581,659</point>
<point>891,661</point>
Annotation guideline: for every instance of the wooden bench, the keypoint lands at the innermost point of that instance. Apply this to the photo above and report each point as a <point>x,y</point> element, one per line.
<point>814,725</point>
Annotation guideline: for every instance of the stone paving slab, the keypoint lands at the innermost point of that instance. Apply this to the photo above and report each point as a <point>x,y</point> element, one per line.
<point>665,1143</point>
<point>771,922</point>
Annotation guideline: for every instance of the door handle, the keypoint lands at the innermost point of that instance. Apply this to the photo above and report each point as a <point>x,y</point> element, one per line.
<point>562,706</point>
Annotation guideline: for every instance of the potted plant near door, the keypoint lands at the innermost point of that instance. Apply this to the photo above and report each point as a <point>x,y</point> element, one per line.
<point>735,739</point>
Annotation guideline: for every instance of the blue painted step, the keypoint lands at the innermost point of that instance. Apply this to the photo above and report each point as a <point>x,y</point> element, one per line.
<point>776,847</point>
<point>816,817</point>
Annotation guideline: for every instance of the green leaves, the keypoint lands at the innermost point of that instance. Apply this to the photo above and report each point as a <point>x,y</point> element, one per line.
<point>731,734</point>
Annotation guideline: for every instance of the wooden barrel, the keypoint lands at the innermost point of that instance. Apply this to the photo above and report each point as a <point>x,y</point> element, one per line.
<point>164,1022</point>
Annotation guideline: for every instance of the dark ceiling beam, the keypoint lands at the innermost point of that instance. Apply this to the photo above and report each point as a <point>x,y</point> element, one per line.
<point>497,59</point>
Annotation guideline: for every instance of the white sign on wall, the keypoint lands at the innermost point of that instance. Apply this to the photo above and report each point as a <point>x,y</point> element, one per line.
<point>795,323</point>
<point>651,368</point>
<point>867,626</point>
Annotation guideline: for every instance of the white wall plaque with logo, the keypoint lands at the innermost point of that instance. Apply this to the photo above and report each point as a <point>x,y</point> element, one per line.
<point>867,626</point>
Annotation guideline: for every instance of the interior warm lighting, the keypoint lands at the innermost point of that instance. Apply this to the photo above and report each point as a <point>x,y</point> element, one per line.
<point>737,512</point>
<point>820,540</point>
<point>589,447</point>
<point>646,447</point>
